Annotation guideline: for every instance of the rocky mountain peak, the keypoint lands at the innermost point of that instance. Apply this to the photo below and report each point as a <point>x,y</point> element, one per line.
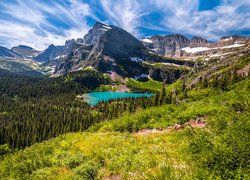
<point>176,38</point>
<point>169,45</point>
<point>52,46</point>
<point>118,42</point>
<point>197,41</point>
<point>95,33</point>
<point>24,50</point>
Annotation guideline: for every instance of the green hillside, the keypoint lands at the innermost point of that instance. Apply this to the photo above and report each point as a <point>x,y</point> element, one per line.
<point>116,149</point>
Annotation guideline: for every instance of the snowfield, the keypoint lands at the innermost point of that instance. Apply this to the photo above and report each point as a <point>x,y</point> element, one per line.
<point>141,76</point>
<point>147,40</point>
<point>200,49</point>
<point>136,59</point>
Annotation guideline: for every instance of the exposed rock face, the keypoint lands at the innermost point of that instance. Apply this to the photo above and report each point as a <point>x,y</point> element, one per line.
<point>169,76</point>
<point>50,53</point>
<point>180,46</point>
<point>110,49</point>
<point>25,51</point>
<point>230,40</point>
<point>107,48</point>
<point>94,34</point>
<point>169,46</point>
<point>197,42</point>
<point>58,52</point>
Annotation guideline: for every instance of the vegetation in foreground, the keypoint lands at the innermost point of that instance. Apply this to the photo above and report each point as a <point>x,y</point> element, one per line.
<point>115,149</point>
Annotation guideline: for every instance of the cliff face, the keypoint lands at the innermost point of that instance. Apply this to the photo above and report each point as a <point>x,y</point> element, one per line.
<point>179,46</point>
<point>197,42</point>
<point>169,46</point>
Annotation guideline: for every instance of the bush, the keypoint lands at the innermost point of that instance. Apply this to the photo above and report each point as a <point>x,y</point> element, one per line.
<point>88,171</point>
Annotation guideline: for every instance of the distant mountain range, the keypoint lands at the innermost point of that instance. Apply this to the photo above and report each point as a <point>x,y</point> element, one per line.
<point>177,45</point>
<point>112,50</point>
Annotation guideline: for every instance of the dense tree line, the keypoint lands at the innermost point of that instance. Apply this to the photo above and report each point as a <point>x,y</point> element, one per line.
<point>35,109</point>
<point>27,87</point>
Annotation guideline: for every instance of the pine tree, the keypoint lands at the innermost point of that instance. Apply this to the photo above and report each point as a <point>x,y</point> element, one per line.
<point>163,94</point>
<point>156,98</point>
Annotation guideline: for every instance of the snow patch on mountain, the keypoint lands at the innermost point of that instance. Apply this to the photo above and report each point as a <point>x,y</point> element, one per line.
<point>195,50</point>
<point>233,46</point>
<point>200,49</point>
<point>141,76</point>
<point>147,40</point>
<point>136,59</point>
<point>61,56</point>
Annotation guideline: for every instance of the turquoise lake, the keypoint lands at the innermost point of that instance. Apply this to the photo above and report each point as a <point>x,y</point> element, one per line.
<point>95,97</point>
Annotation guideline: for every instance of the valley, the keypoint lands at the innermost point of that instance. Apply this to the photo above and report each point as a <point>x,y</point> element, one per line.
<point>111,106</point>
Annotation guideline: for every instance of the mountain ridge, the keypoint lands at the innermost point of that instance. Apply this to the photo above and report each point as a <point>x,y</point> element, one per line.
<point>110,49</point>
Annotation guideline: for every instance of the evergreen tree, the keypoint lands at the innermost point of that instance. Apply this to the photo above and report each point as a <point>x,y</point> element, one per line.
<point>163,94</point>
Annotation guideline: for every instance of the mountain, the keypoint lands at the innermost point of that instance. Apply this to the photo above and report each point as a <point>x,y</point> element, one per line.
<point>169,45</point>
<point>197,42</point>
<point>177,45</point>
<point>14,63</point>
<point>108,49</point>
<point>25,51</point>
<point>48,54</point>
<point>4,52</point>
<point>115,52</point>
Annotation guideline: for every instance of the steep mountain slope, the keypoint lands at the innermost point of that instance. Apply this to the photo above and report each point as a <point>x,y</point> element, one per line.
<point>169,45</point>
<point>106,48</point>
<point>48,54</point>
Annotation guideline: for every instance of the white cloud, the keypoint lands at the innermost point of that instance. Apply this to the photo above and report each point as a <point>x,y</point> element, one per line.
<point>184,16</point>
<point>30,24</point>
<point>38,24</point>
<point>124,13</point>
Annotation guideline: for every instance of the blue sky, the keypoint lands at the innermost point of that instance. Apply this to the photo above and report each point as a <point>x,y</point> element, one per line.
<point>39,23</point>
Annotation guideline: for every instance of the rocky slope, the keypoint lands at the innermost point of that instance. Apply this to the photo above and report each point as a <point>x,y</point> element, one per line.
<point>179,46</point>
<point>169,45</point>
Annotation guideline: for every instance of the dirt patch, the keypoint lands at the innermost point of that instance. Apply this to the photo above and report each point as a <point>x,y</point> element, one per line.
<point>153,131</point>
<point>114,177</point>
<point>122,88</point>
<point>116,77</point>
<point>198,123</point>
